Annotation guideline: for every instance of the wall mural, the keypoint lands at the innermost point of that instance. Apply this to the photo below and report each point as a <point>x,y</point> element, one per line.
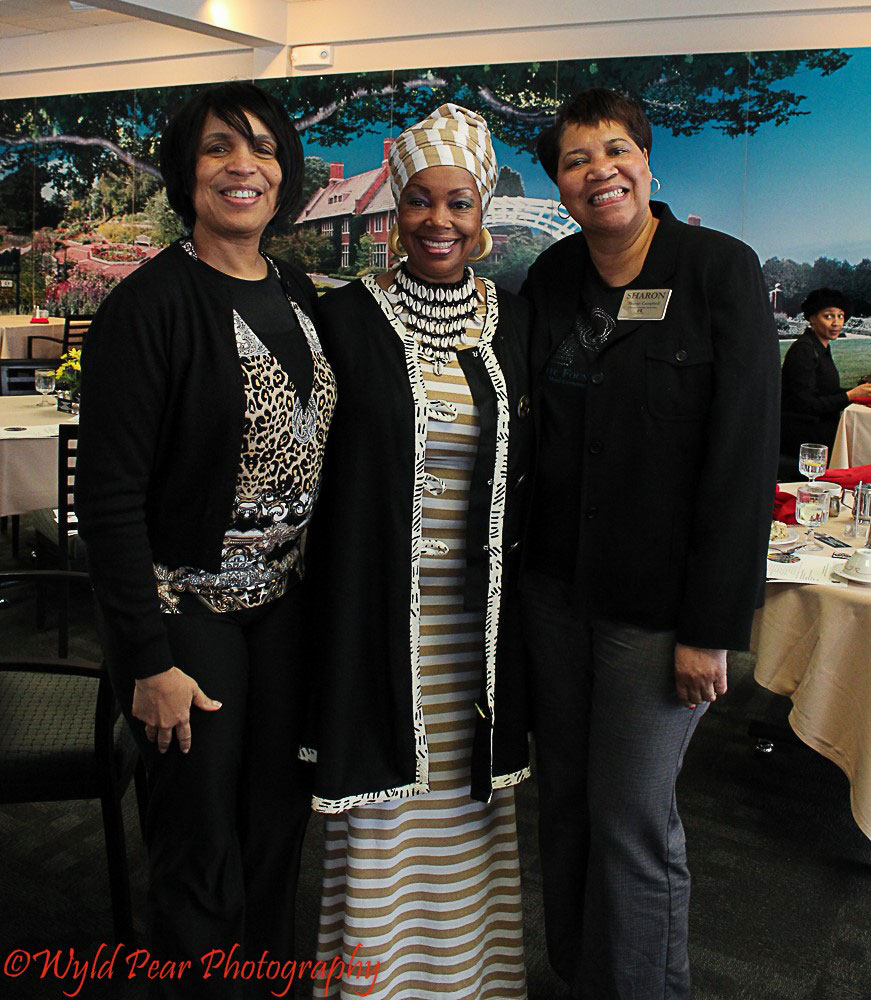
<point>759,145</point>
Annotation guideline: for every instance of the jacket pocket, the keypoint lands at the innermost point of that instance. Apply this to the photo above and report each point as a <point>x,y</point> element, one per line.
<point>679,380</point>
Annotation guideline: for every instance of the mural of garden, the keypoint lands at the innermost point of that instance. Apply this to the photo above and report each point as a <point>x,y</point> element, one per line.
<point>740,144</point>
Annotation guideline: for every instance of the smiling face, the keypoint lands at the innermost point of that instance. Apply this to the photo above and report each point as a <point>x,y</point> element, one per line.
<point>603,178</point>
<point>828,323</point>
<point>236,182</point>
<point>439,222</point>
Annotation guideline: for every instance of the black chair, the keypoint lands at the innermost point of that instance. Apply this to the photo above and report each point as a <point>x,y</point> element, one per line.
<point>76,325</point>
<point>62,738</point>
<point>18,375</point>
<point>57,539</point>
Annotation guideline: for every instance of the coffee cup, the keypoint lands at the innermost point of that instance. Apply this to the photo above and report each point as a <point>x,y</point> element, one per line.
<point>859,564</point>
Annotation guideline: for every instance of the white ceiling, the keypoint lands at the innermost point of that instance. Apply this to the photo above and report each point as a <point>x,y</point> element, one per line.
<point>36,17</point>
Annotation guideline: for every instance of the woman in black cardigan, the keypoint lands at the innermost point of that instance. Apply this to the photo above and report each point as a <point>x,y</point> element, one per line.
<point>811,394</point>
<point>656,394</point>
<point>206,401</point>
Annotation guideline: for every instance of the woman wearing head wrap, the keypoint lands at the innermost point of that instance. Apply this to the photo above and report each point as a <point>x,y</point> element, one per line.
<point>811,395</point>
<point>421,728</point>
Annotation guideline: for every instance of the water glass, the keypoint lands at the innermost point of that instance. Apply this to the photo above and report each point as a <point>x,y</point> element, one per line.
<point>812,460</point>
<point>43,380</point>
<point>811,510</point>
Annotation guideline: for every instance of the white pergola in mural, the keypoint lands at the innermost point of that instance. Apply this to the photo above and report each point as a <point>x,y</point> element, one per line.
<point>537,213</point>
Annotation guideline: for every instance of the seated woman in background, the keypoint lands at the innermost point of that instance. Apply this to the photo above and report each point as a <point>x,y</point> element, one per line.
<point>812,398</point>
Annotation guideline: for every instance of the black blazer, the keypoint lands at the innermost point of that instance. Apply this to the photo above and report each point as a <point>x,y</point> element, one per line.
<point>680,436</point>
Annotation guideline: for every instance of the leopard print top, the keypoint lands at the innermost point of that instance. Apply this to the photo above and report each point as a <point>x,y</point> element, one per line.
<point>277,484</point>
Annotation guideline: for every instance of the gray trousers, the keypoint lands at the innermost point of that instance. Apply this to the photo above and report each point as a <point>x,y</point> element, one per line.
<point>610,737</point>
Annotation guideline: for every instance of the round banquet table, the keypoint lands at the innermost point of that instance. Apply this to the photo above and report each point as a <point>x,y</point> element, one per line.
<point>852,445</point>
<point>14,331</point>
<point>28,458</point>
<point>813,644</point>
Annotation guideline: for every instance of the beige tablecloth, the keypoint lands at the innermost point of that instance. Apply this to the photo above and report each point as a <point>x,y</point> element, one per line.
<point>853,438</point>
<point>28,463</point>
<point>813,644</point>
<point>14,331</point>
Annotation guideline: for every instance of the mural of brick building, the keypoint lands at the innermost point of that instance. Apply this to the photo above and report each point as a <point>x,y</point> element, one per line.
<point>366,196</point>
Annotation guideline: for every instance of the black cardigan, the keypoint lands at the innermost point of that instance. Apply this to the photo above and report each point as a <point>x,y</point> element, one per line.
<point>161,426</point>
<point>359,557</point>
<point>812,397</point>
<point>680,436</point>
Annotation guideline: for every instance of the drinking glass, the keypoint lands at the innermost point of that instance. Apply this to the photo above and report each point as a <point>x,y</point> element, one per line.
<point>811,510</point>
<point>43,380</point>
<point>812,460</point>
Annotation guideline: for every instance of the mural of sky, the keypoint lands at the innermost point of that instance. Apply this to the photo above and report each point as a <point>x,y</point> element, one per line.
<point>771,189</point>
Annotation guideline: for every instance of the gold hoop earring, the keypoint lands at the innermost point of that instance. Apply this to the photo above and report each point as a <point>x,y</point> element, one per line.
<point>396,248</point>
<point>485,247</point>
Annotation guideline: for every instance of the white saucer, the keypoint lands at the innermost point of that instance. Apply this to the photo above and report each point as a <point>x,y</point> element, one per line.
<point>854,577</point>
<point>791,536</point>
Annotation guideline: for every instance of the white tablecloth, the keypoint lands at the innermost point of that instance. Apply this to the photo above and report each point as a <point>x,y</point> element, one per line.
<point>853,438</point>
<point>813,644</point>
<point>14,331</point>
<point>28,458</point>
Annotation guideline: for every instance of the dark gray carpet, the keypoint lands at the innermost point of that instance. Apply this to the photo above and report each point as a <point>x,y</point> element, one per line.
<point>781,904</point>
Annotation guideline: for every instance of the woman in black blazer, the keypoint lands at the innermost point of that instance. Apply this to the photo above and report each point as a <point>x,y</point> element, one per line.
<point>656,400</point>
<point>812,397</point>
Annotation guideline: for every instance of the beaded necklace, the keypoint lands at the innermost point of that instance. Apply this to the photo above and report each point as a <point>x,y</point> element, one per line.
<point>437,313</point>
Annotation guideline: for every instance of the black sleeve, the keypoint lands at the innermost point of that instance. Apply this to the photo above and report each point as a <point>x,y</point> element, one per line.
<point>801,393</point>
<point>733,502</point>
<point>125,383</point>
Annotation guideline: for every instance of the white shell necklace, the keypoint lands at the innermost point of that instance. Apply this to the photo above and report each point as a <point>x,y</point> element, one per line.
<point>437,313</point>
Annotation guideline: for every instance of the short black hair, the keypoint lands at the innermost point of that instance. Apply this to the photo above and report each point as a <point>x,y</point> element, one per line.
<point>229,102</point>
<point>589,107</point>
<point>822,298</point>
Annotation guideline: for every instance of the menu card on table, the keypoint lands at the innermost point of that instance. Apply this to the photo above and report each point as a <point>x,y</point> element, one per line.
<point>804,568</point>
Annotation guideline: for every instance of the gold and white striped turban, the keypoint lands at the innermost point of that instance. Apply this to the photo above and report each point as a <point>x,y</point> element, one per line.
<point>451,137</point>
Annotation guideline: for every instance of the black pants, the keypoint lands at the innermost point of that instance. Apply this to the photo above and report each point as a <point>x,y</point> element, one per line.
<point>226,821</point>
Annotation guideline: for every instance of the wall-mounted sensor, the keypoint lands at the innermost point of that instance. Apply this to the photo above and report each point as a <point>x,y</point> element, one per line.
<point>311,56</point>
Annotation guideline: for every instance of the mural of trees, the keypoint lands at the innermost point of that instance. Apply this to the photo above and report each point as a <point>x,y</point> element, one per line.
<point>798,279</point>
<point>85,166</point>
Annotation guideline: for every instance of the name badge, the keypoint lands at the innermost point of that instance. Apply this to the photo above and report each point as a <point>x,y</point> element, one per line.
<point>644,303</point>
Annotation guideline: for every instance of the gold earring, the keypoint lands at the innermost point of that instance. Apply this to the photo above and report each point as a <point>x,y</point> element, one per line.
<point>396,248</point>
<point>485,246</point>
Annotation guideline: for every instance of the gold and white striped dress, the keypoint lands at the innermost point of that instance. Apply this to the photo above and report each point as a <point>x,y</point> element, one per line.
<point>429,887</point>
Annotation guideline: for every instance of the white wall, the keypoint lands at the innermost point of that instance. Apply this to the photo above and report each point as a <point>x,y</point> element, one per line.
<point>177,41</point>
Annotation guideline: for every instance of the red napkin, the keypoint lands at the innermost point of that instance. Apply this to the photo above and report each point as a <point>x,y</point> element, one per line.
<point>848,478</point>
<point>33,319</point>
<point>784,507</point>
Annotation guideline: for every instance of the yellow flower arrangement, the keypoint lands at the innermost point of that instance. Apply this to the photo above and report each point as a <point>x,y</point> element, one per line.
<point>69,373</point>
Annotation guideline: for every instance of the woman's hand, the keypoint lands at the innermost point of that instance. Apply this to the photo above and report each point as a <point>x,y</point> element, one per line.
<point>862,391</point>
<point>163,702</point>
<point>699,674</point>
